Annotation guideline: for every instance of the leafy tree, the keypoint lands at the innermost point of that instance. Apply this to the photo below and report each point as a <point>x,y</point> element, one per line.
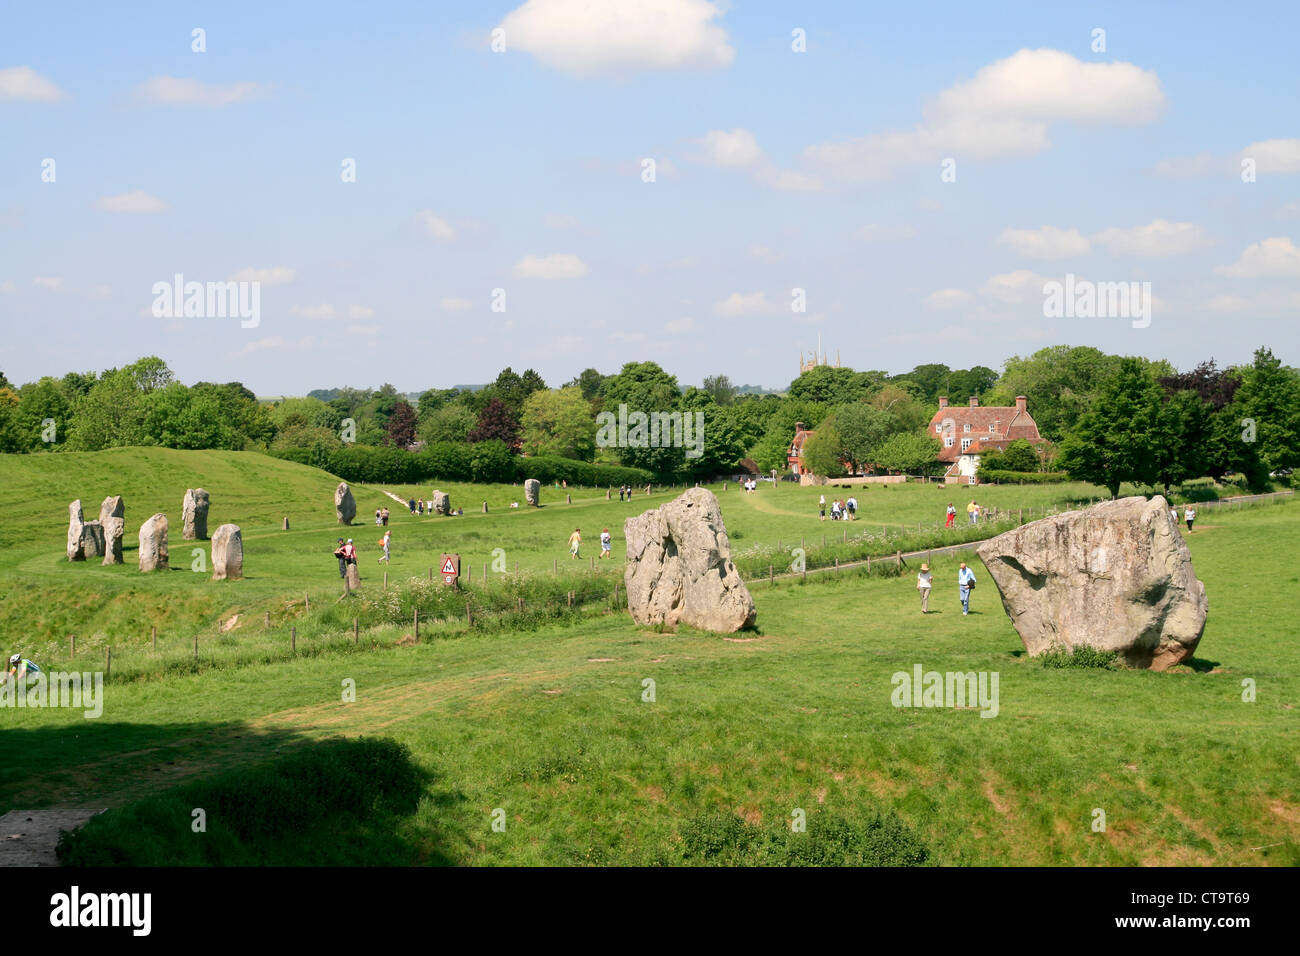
<point>401,425</point>
<point>1118,439</point>
<point>822,451</point>
<point>909,412</point>
<point>496,422</point>
<point>1018,456</point>
<point>175,416</point>
<point>107,416</point>
<point>559,422</point>
<point>1061,383</point>
<point>451,423</point>
<point>1269,398</point>
<point>828,385</point>
<point>909,453</point>
<point>592,384</point>
<point>39,401</point>
<point>863,429</point>
<point>930,379</point>
<point>961,384</point>
<point>720,387</point>
<point>646,388</point>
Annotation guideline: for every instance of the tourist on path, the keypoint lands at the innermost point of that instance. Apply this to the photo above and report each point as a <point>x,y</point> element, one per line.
<point>965,582</point>
<point>952,515</point>
<point>821,507</point>
<point>853,508</point>
<point>606,544</point>
<point>384,516</point>
<point>350,552</point>
<point>379,519</point>
<point>575,542</point>
<point>384,543</point>
<point>1189,515</point>
<point>924,581</point>
<point>343,559</point>
<point>972,510</point>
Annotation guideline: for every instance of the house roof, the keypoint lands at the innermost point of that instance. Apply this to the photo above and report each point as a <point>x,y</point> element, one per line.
<point>1008,420</point>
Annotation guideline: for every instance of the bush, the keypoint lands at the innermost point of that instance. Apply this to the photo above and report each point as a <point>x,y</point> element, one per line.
<point>1082,657</point>
<point>999,477</point>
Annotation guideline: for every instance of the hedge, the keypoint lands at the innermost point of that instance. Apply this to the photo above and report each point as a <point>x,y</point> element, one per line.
<point>483,462</point>
<point>997,476</point>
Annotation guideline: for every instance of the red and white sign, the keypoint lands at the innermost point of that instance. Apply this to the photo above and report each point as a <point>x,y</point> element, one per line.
<point>450,568</point>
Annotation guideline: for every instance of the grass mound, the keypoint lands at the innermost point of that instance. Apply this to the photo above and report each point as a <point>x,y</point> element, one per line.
<point>830,840</point>
<point>336,803</point>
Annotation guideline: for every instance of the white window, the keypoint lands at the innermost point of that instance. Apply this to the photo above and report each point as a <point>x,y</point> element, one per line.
<point>947,442</point>
<point>965,443</point>
<point>966,427</point>
<point>938,428</point>
<point>991,430</point>
<point>970,480</point>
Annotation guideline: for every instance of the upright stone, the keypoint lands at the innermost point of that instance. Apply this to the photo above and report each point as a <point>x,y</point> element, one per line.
<point>92,541</point>
<point>112,516</point>
<point>1115,577</point>
<point>441,502</point>
<point>679,567</point>
<point>153,544</point>
<point>345,507</point>
<point>227,553</point>
<point>608,495</point>
<point>485,511</point>
<point>533,492</point>
<point>194,513</point>
<point>75,522</point>
<point>353,577</point>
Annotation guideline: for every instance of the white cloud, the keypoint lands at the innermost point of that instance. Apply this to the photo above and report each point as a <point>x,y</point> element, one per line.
<point>1014,288</point>
<point>562,266</point>
<point>177,91</point>
<point>1277,256</point>
<point>787,179</point>
<point>261,345</point>
<point>735,147</point>
<point>276,275</point>
<point>24,83</point>
<point>453,304</point>
<point>1227,303</point>
<point>1158,238</point>
<point>1274,155</point>
<point>677,326</point>
<point>1006,109</point>
<point>753,303</point>
<point>555,220</point>
<point>588,39</point>
<point>360,312</point>
<point>947,298</point>
<point>1190,167</point>
<point>49,283</point>
<point>133,202</point>
<point>322,311</point>
<point>1046,242</point>
<point>435,226</point>
<point>875,232</point>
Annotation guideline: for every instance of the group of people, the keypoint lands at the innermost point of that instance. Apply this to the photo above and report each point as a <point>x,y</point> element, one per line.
<point>624,492</point>
<point>840,510</point>
<point>606,544</point>
<point>381,516</point>
<point>346,552</point>
<point>750,485</point>
<point>965,584</point>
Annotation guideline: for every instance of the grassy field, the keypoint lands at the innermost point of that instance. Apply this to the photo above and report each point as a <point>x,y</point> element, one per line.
<point>550,724</point>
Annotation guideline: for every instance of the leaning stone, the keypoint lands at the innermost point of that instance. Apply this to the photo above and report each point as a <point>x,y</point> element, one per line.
<point>533,492</point>
<point>194,514</point>
<point>1115,577</point>
<point>153,544</point>
<point>679,567</point>
<point>92,541</point>
<point>75,521</point>
<point>227,553</point>
<point>345,507</point>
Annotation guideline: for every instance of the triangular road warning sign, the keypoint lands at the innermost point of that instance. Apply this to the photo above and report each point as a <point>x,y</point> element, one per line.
<point>448,567</point>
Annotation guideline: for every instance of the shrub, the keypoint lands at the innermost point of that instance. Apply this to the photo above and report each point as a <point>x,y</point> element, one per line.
<point>1082,657</point>
<point>998,476</point>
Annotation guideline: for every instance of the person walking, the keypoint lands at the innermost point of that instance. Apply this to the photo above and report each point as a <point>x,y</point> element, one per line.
<point>384,543</point>
<point>1173,513</point>
<point>972,510</point>
<point>821,508</point>
<point>606,544</point>
<point>924,581</point>
<point>952,515</point>
<point>965,582</point>
<point>853,508</point>
<point>384,515</point>
<point>575,543</point>
<point>343,559</point>
<point>1189,515</point>
<point>378,518</point>
<point>350,552</point>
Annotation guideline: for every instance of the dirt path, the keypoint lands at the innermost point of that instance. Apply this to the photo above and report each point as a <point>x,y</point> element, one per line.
<point>28,837</point>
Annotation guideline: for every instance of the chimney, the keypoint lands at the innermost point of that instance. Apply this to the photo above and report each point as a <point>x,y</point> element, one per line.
<point>974,402</point>
<point>943,401</point>
<point>1021,402</point>
<point>997,426</point>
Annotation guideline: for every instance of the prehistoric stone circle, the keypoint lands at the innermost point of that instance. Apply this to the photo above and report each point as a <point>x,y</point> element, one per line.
<point>345,507</point>
<point>1116,577</point>
<point>533,492</point>
<point>679,567</point>
<point>75,522</point>
<point>227,553</point>
<point>441,502</point>
<point>194,513</point>
<point>153,544</point>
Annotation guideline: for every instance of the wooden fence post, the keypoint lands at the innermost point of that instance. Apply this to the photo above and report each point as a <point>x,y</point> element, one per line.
<point>196,646</point>
<point>356,631</point>
<point>266,621</point>
<point>469,617</point>
<point>417,625</point>
<point>385,580</point>
<point>307,600</point>
<point>555,565</point>
<point>73,638</point>
<point>293,638</point>
<point>154,635</point>
<point>108,661</point>
<point>771,580</point>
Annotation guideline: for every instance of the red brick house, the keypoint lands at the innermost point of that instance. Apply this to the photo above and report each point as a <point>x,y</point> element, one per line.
<point>967,431</point>
<point>795,457</point>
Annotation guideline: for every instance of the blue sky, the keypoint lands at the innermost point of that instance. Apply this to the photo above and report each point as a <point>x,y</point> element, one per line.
<point>522,170</point>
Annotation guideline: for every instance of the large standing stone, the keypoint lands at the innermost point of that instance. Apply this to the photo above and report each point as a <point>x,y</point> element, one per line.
<point>75,522</point>
<point>112,507</point>
<point>153,544</point>
<point>227,553</point>
<point>194,513</point>
<point>1116,577</point>
<point>92,541</point>
<point>112,516</point>
<point>679,567</point>
<point>345,508</point>
<point>533,492</point>
<point>441,502</point>
<point>353,578</point>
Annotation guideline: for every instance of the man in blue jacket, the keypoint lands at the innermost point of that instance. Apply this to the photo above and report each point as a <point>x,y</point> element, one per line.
<point>965,581</point>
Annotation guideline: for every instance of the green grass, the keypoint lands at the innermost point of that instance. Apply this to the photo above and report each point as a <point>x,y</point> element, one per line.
<point>548,723</point>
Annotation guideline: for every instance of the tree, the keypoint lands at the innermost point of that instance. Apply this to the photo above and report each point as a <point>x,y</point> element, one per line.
<point>862,429</point>
<point>1018,456</point>
<point>647,389</point>
<point>559,422</point>
<point>591,382</point>
<point>1117,440</point>
<point>108,416</point>
<point>909,453</point>
<point>497,422</point>
<point>401,425</point>
<point>930,379</point>
<point>829,385</point>
<point>822,451</point>
<point>451,423</point>
<point>962,384</point>
<point>720,387</point>
<point>1061,383</point>
<point>910,413</point>
<point>1269,403</point>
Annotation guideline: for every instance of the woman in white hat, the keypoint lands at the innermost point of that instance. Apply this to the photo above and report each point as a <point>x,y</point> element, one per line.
<point>923,584</point>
